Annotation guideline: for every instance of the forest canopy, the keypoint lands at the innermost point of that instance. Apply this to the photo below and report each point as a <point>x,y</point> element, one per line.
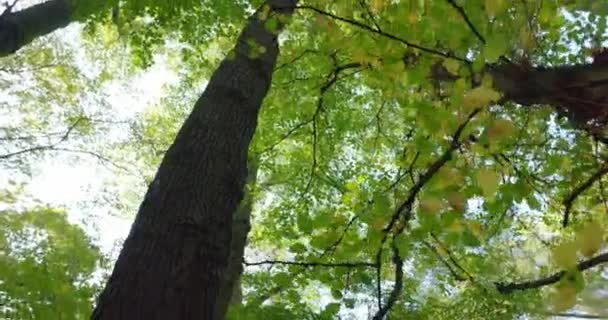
<point>284,159</point>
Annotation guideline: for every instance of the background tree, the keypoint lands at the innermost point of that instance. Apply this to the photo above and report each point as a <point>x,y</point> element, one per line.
<point>47,265</point>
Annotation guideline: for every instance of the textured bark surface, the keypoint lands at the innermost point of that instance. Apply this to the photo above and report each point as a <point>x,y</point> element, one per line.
<point>578,92</point>
<point>22,27</point>
<point>173,262</point>
<point>230,291</point>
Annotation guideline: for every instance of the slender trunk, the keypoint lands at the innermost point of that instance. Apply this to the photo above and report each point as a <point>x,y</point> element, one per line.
<point>230,291</point>
<point>173,262</point>
<point>22,27</point>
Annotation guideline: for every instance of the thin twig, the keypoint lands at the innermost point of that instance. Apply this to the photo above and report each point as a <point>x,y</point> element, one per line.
<point>569,201</point>
<point>462,13</point>
<point>312,264</point>
<point>455,274</point>
<point>384,34</point>
<point>370,14</point>
<point>452,259</point>
<point>298,57</point>
<point>405,208</point>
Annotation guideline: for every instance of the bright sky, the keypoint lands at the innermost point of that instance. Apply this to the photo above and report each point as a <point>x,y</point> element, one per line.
<point>75,185</point>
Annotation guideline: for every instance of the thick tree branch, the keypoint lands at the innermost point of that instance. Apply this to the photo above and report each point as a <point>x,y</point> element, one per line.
<point>506,288</point>
<point>19,28</point>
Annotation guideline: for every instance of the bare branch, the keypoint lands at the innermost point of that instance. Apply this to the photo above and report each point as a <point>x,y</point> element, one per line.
<point>94,154</point>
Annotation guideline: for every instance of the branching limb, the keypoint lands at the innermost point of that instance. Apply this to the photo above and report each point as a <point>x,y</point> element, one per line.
<point>405,208</point>
<point>8,8</point>
<point>569,201</point>
<point>506,288</point>
<point>397,287</point>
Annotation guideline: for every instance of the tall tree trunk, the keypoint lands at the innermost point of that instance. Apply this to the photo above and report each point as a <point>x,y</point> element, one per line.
<point>230,291</point>
<point>173,262</point>
<point>22,27</point>
<point>578,92</point>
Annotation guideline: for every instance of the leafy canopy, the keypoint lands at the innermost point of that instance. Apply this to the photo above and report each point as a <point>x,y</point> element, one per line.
<point>394,176</point>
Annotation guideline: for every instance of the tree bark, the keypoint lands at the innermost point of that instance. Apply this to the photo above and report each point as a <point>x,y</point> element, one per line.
<point>20,28</point>
<point>230,291</point>
<point>173,262</point>
<point>579,92</point>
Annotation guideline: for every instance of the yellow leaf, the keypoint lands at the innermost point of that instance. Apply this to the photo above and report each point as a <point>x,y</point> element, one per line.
<point>451,66</point>
<point>378,223</point>
<point>495,7</point>
<point>479,97</point>
<point>457,201</point>
<point>456,227</point>
<point>590,238</point>
<point>564,255</point>
<point>412,18</point>
<point>442,251</point>
<point>377,5</point>
<point>430,205</point>
<point>476,228</point>
<point>526,40</point>
<point>488,181</point>
<point>500,128</point>
<point>564,298</point>
<point>447,176</point>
